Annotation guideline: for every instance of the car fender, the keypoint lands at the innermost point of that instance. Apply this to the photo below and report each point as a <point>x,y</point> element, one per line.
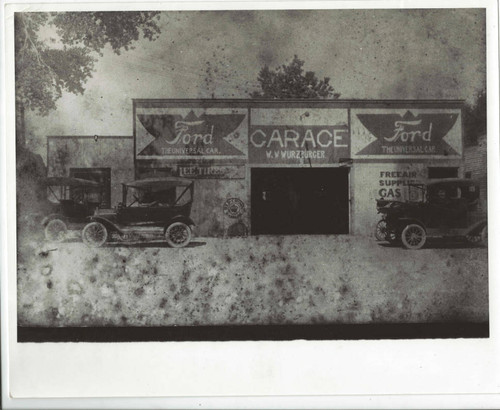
<point>111,226</point>
<point>476,228</point>
<point>50,217</point>
<point>180,218</point>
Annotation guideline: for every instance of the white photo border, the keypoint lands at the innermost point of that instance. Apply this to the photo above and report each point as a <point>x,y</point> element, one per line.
<point>292,374</point>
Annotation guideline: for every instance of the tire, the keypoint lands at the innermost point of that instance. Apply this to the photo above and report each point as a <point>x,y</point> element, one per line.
<point>413,236</point>
<point>381,230</point>
<point>484,237</point>
<point>178,235</point>
<point>56,230</point>
<point>94,234</point>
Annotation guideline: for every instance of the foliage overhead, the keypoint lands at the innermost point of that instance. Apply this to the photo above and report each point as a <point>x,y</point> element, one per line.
<point>290,81</point>
<point>46,66</point>
<point>475,119</point>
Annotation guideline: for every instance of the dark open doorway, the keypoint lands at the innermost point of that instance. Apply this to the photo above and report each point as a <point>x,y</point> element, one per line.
<point>300,201</point>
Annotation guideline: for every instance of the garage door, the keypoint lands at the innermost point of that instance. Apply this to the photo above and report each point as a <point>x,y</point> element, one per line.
<point>299,201</point>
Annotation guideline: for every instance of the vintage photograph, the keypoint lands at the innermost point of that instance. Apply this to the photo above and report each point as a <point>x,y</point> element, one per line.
<point>251,175</point>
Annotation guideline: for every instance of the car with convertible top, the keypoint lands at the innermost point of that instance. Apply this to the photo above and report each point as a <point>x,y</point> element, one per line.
<point>151,209</point>
<point>70,201</point>
<point>442,208</point>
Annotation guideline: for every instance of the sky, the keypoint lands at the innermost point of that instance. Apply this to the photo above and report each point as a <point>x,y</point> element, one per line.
<point>367,54</point>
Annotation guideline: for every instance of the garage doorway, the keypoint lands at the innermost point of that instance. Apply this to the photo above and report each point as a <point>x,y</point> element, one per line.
<point>287,201</point>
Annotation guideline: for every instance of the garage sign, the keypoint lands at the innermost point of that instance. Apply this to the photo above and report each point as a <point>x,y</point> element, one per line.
<point>403,133</point>
<point>186,133</point>
<point>293,136</point>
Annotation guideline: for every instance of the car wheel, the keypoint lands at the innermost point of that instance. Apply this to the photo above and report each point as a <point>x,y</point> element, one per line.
<point>178,234</point>
<point>94,234</point>
<point>381,230</point>
<point>413,236</point>
<point>56,231</point>
<point>484,236</point>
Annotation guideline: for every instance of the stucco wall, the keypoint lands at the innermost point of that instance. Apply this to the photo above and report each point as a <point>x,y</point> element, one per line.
<point>476,164</point>
<point>209,198</point>
<point>116,153</point>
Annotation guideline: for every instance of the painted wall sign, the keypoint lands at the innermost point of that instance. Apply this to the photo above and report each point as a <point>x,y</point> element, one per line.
<point>404,133</point>
<point>298,136</point>
<point>390,181</point>
<point>186,133</point>
<point>234,207</point>
<point>394,185</point>
<point>211,171</point>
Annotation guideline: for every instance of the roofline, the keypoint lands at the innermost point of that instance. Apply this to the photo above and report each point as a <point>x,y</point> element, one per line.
<point>91,136</point>
<point>340,103</point>
<point>66,181</point>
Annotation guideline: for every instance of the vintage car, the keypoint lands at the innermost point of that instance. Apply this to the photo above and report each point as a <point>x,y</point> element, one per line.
<point>71,201</point>
<point>155,208</point>
<point>440,208</point>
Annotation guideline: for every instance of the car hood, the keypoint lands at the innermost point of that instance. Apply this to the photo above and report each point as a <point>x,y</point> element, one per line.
<point>105,213</point>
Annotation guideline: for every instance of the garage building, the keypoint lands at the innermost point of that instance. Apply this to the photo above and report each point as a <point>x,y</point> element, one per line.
<point>277,167</point>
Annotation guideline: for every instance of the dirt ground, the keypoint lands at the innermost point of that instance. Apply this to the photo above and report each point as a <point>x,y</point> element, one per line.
<point>254,280</point>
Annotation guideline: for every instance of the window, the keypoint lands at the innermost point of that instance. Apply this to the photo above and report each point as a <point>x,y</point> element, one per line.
<point>100,175</point>
<point>442,172</point>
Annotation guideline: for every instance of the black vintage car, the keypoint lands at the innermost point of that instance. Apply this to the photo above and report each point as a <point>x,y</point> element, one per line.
<point>71,201</point>
<point>154,208</point>
<point>441,208</point>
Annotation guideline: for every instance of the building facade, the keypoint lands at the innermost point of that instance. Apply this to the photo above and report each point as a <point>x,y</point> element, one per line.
<point>276,167</point>
<point>296,167</point>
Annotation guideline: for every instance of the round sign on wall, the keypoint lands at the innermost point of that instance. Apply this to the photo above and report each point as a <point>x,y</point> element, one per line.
<point>234,207</point>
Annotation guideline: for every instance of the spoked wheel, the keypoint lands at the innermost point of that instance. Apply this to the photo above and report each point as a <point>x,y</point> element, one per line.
<point>413,236</point>
<point>94,234</point>
<point>484,237</point>
<point>56,231</point>
<point>381,230</point>
<point>178,235</point>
